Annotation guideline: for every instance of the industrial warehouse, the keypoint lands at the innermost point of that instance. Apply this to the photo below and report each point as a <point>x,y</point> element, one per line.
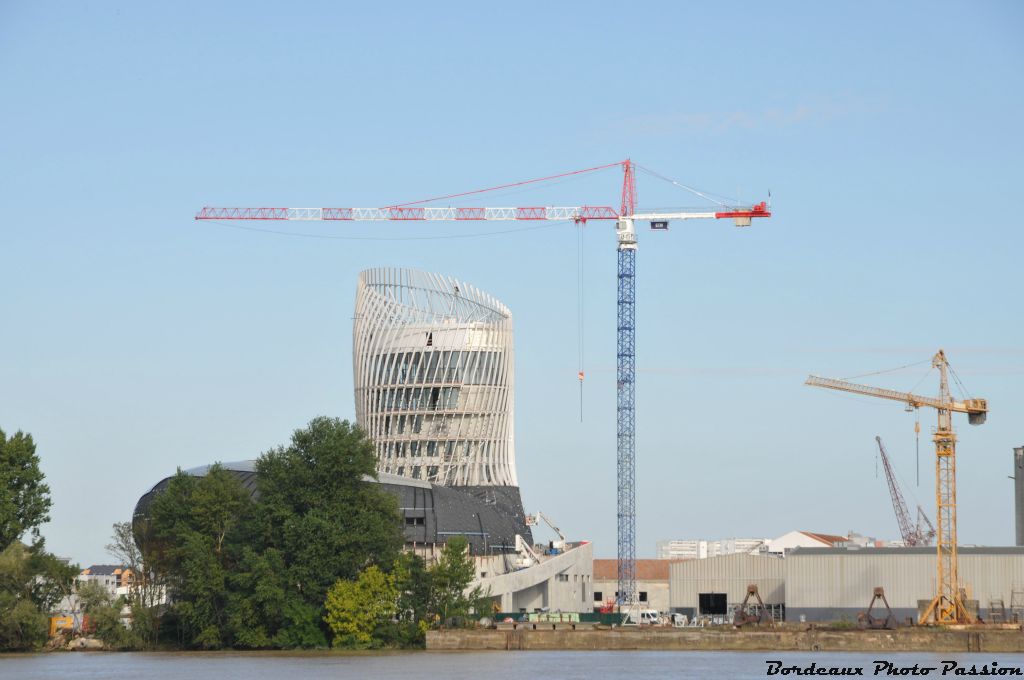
<point>838,584</point>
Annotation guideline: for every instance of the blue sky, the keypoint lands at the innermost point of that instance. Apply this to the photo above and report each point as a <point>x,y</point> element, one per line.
<point>135,340</point>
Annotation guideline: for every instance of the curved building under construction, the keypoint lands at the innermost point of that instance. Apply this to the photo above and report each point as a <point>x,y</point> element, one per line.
<point>433,370</point>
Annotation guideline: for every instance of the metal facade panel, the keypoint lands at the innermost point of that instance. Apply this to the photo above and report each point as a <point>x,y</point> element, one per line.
<point>845,579</point>
<point>729,574</point>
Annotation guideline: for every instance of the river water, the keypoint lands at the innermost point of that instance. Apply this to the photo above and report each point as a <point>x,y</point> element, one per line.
<point>519,665</point>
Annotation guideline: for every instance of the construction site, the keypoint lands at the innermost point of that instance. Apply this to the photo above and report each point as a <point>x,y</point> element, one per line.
<point>434,376</point>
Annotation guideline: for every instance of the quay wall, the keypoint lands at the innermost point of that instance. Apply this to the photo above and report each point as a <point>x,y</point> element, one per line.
<point>906,640</point>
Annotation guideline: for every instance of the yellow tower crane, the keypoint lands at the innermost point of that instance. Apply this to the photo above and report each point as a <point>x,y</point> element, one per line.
<point>948,606</point>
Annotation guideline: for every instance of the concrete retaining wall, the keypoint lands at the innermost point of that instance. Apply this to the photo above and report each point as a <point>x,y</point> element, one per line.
<point>909,640</point>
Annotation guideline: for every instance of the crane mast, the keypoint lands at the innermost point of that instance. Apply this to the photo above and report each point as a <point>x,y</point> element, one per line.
<point>625,218</point>
<point>947,607</point>
<point>625,393</point>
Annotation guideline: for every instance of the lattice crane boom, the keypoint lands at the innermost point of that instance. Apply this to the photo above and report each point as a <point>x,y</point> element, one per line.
<point>907,531</point>
<point>466,214</point>
<point>975,408</point>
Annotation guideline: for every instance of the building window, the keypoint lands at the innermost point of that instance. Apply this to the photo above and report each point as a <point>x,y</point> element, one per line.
<point>563,577</point>
<point>643,596</point>
<point>413,521</point>
<point>598,596</point>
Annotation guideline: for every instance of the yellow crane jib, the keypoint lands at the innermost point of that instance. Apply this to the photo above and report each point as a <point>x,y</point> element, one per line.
<point>947,607</point>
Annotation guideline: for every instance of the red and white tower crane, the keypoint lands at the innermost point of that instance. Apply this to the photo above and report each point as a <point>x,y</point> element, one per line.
<point>625,218</point>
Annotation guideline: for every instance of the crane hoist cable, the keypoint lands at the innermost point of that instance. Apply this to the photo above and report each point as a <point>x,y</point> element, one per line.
<point>579,306</point>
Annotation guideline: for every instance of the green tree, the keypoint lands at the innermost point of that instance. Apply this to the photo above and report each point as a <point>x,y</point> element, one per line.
<point>104,612</point>
<point>194,528</point>
<point>450,577</point>
<point>317,520</point>
<point>355,609</point>
<point>413,581</point>
<point>24,497</point>
<point>145,587</point>
<point>22,624</point>
<point>52,580</point>
<point>32,581</point>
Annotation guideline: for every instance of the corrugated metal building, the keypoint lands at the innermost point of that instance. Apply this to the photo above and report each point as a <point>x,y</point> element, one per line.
<point>832,584</point>
<point>825,584</point>
<point>715,585</point>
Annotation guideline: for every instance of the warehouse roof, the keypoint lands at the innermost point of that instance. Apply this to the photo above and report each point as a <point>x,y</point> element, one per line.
<point>830,539</point>
<point>923,550</point>
<point>646,570</point>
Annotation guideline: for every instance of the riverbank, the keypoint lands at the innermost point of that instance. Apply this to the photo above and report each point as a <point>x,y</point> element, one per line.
<point>675,639</point>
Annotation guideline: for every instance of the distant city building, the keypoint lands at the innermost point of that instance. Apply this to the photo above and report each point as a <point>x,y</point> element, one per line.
<point>804,539</point>
<point>701,549</point>
<point>434,378</point>
<point>116,579</point>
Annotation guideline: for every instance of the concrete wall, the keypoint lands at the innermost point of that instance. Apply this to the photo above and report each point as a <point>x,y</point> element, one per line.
<point>904,640</point>
<point>560,583</point>
<point>729,574</point>
<point>657,593</point>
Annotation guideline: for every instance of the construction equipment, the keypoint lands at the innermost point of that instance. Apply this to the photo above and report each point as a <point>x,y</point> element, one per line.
<point>535,519</point>
<point>625,219</point>
<point>748,612</point>
<point>869,620</point>
<point>996,610</point>
<point>947,607</point>
<point>913,535</point>
<point>527,556</point>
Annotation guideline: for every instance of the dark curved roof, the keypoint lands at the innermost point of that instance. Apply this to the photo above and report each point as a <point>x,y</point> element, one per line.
<point>488,516</point>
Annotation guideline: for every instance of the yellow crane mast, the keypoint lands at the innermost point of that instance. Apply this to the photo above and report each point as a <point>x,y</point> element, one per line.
<point>947,607</point>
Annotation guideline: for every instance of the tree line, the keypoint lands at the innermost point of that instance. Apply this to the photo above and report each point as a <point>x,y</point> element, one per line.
<point>312,558</point>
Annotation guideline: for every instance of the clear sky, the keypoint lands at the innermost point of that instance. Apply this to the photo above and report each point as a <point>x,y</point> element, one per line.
<point>134,339</point>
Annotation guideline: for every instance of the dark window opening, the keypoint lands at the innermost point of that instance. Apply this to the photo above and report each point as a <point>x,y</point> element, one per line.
<point>430,339</point>
<point>643,596</point>
<point>414,521</point>
<point>598,596</point>
<point>712,603</point>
